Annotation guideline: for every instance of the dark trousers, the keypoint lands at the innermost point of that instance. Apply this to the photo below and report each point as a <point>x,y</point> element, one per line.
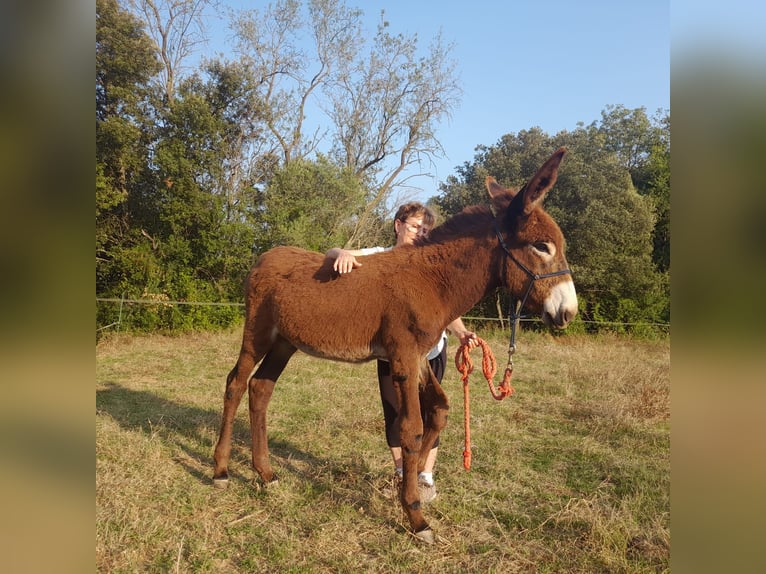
<point>388,396</point>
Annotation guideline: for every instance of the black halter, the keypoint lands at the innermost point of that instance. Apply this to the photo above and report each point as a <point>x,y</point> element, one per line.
<point>515,315</point>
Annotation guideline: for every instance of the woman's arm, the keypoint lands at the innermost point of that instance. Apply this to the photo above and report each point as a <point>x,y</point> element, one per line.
<point>345,259</point>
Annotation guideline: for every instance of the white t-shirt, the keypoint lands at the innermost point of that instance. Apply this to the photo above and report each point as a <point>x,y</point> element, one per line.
<point>433,353</point>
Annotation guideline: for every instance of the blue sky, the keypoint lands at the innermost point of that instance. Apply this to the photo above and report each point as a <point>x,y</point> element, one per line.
<point>528,63</point>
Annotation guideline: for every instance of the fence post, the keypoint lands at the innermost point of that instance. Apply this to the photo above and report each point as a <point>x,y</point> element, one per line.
<point>119,317</point>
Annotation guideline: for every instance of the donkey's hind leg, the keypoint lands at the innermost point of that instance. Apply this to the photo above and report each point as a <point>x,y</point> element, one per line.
<point>261,388</point>
<point>435,407</point>
<point>236,383</point>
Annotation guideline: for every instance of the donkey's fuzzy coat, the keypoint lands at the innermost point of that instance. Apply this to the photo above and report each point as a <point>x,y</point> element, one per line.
<point>394,307</point>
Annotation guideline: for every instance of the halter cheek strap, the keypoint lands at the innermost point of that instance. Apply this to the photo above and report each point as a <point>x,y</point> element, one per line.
<point>515,315</point>
<point>527,270</point>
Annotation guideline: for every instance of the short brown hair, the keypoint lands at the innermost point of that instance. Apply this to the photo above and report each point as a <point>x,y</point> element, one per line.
<point>415,209</point>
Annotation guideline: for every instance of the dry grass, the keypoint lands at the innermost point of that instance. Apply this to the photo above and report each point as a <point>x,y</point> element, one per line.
<point>571,474</point>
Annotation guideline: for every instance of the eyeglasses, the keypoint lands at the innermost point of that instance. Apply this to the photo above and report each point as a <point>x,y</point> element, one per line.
<point>416,228</point>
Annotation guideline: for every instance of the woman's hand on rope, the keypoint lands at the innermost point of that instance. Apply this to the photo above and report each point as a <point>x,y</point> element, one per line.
<point>467,338</point>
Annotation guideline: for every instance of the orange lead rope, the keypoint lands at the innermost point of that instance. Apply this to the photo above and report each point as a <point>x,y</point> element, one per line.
<point>489,367</point>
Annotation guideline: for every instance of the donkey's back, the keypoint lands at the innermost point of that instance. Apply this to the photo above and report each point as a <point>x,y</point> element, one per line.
<point>295,294</point>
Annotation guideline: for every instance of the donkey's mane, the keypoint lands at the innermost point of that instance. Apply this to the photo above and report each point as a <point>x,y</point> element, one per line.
<point>472,221</point>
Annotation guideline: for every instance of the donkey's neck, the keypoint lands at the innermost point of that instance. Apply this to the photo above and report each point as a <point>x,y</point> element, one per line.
<point>461,270</point>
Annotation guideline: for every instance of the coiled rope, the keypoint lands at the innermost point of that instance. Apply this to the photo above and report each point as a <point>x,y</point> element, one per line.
<point>489,368</point>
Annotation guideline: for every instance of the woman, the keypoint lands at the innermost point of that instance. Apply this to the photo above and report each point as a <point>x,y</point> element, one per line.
<point>412,221</point>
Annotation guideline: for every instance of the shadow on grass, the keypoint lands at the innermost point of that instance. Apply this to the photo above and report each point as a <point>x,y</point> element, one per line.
<point>193,431</point>
<point>189,429</point>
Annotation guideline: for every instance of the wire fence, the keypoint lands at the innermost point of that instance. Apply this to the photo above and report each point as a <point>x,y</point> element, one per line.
<point>168,302</point>
<point>502,321</point>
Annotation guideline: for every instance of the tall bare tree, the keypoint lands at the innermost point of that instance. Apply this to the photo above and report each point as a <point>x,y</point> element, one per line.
<point>177,28</point>
<point>288,70</point>
<point>384,97</point>
<point>386,109</point>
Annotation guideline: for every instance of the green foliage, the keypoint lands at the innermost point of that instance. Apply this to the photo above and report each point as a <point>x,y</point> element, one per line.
<point>125,64</point>
<point>615,250</point>
<point>173,230</point>
<point>125,60</point>
<point>642,146</point>
<point>658,189</point>
<point>310,205</point>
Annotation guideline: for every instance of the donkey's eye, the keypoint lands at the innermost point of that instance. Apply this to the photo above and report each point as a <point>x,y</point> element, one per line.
<point>544,249</point>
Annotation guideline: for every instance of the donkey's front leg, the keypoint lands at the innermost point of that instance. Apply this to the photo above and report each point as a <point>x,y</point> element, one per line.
<point>411,435</point>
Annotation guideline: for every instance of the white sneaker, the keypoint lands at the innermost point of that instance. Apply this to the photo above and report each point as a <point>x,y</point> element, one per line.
<point>427,491</point>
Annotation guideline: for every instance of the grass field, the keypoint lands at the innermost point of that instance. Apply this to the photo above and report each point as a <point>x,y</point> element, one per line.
<point>570,474</point>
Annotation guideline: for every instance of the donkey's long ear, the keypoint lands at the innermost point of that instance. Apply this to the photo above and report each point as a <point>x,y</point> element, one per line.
<point>500,196</point>
<point>535,190</point>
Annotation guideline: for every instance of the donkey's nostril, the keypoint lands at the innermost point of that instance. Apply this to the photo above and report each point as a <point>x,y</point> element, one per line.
<point>559,321</point>
<point>566,316</point>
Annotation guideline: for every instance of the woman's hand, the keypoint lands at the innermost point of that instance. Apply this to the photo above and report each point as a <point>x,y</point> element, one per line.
<point>465,336</point>
<point>345,262</point>
<point>468,338</point>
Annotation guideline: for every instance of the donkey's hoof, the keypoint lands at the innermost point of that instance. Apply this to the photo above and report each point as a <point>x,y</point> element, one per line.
<point>426,536</point>
<point>221,483</point>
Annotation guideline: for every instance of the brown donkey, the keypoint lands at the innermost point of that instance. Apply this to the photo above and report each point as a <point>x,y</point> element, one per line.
<point>403,299</point>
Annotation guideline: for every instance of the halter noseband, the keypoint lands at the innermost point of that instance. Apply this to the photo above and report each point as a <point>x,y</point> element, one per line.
<point>515,316</point>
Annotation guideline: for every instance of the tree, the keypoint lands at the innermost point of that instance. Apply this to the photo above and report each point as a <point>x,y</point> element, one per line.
<point>287,76</point>
<point>386,110</point>
<point>125,64</point>
<point>629,134</point>
<point>177,28</point>
<point>300,205</point>
<point>185,210</point>
<point>199,206</point>
<point>658,189</point>
<point>384,101</point>
<point>608,226</point>
<point>642,146</point>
